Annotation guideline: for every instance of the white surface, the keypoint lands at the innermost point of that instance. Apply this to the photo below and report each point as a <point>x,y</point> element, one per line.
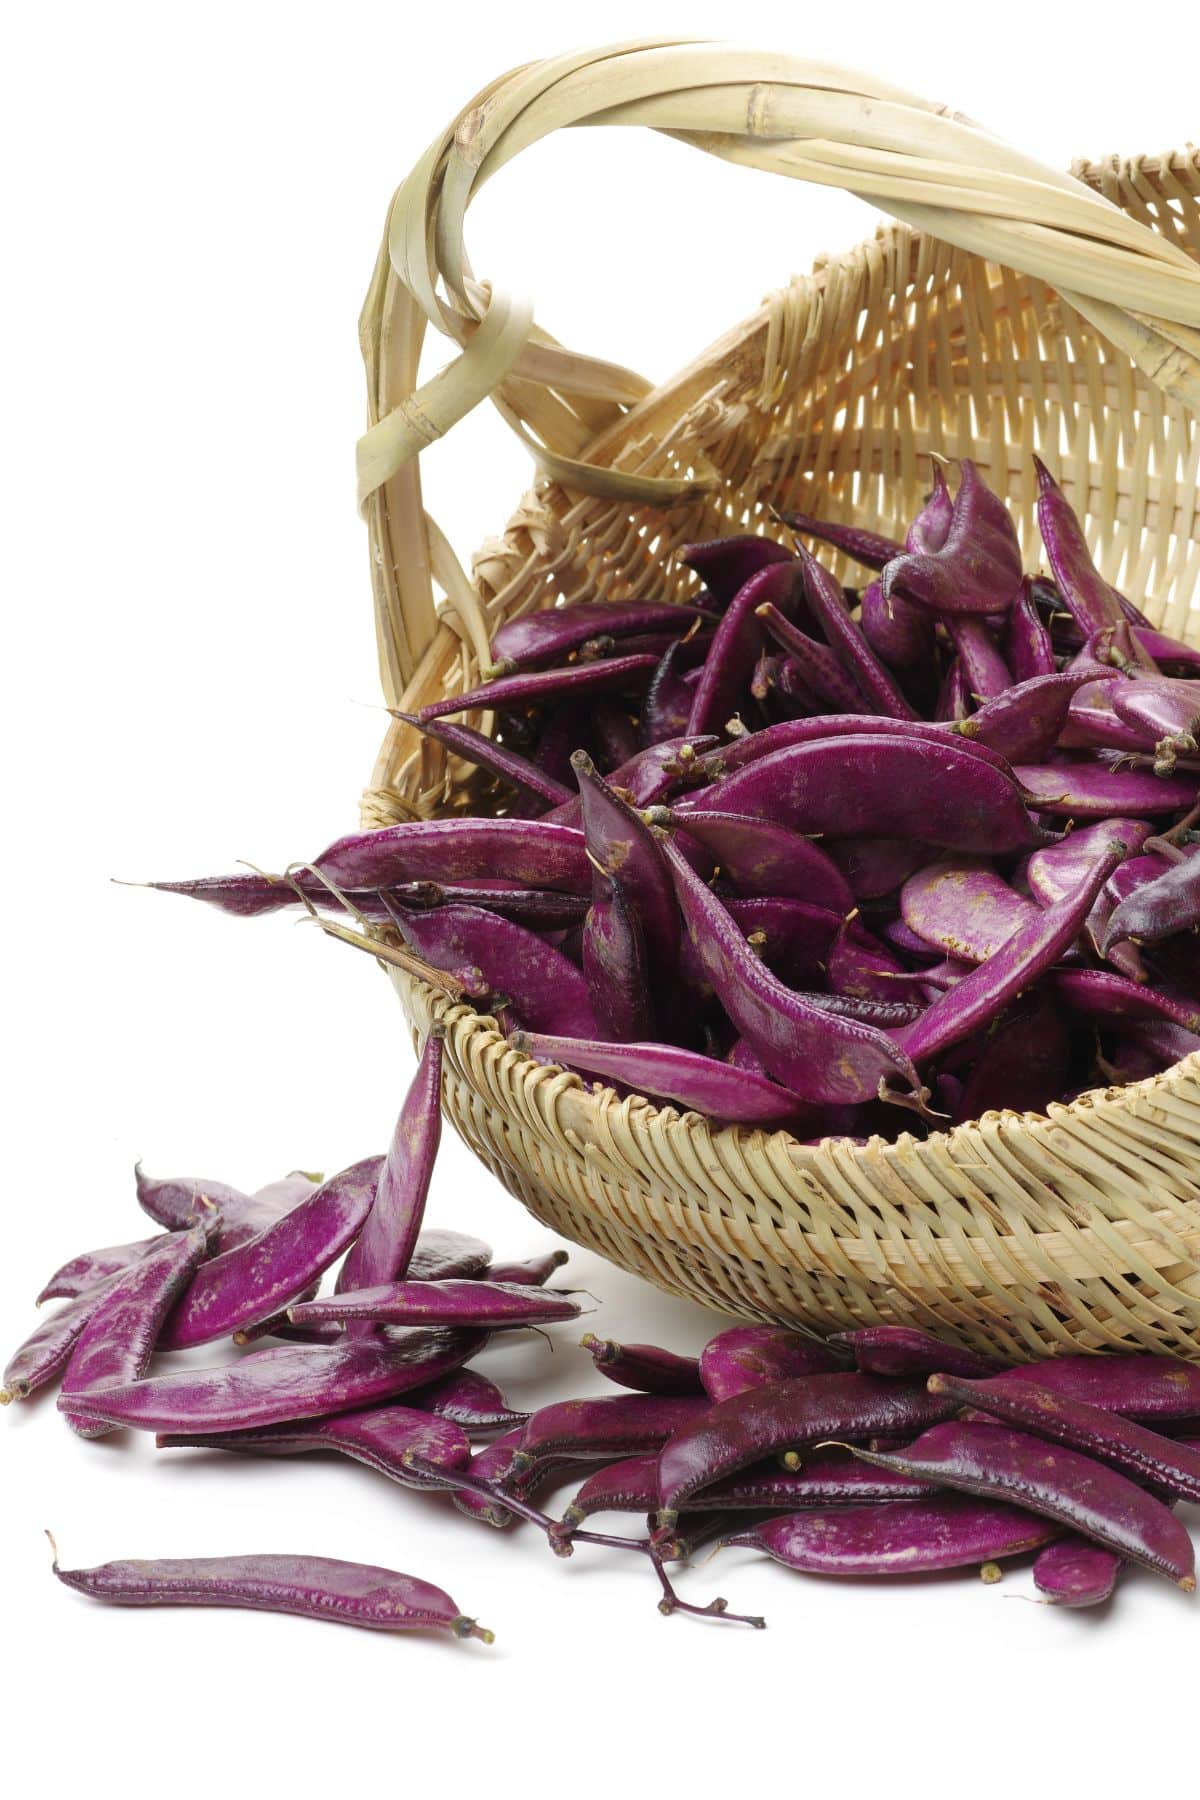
<point>194,199</point>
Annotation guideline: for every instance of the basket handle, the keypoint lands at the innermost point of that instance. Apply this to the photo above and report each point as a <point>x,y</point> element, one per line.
<point>931,168</point>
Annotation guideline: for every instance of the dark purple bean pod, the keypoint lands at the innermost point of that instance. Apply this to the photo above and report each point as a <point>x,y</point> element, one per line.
<point>541,909</point>
<point>860,967</point>
<point>494,1466</point>
<point>82,1272</point>
<point>1166,712</point>
<point>552,635</point>
<point>875,867</point>
<point>823,673</point>
<point>536,852</point>
<point>534,1271</point>
<point>1072,1572</point>
<point>1089,599</point>
<point>765,860</point>
<point>1089,791</point>
<point>615,734</point>
<point>829,607</point>
<point>829,1478</point>
<point>468,1399</point>
<point>668,702</point>
<point>869,548</point>
<point>792,937</point>
<point>914,949</point>
<point>1159,908</point>
<point>643,1367</point>
<point>45,1353</point>
<point>697,1083</point>
<point>900,635</point>
<point>786,1415</point>
<point>448,1256</point>
<point>1092,724</point>
<point>615,965</point>
<point>119,1338</point>
<point>1023,1066</point>
<point>823,1058</point>
<point>726,564</point>
<point>939,792</point>
<point>540,687</point>
<point>984,669</point>
<point>384,1247</point>
<point>905,1352</point>
<point>1052,873</point>
<point>916,1537</point>
<point>931,526</point>
<point>622,844</point>
<point>176,1201</point>
<point>736,645</point>
<point>1102,994</point>
<point>953,703</point>
<point>1168,652</point>
<point>601,1430</point>
<point>1160,1043</point>
<point>714,765</point>
<point>312,1587</point>
<point>378,1437</point>
<point>1154,1389</point>
<point>1163,1462</point>
<point>1032,948</point>
<point>1024,722</point>
<point>255,1281</point>
<point>1027,646</point>
<point>978,567</point>
<point>546,990</point>
<point>963,907</point>
<point>1075,1491</point>
<point>485,753</point>
<point>475,1304</point>
<point>1132,874</point>
<point>292,1381</point>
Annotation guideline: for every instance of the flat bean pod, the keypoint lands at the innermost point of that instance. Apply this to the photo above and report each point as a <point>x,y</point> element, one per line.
<point>1072,1572</point>
<point>1149,1388</point>
<point>1089,599</point>
<point>615,965</point>
<point>534,1271</point>
<point>750,1356</point>
<point>644,1367</point>
<point>379,1437</point>
<point>1159,908</point>
<point>596,1430</point>
<point>978,567</point>
<point>383,1249</point>
<point>541,686</point>
<point>469,1399</point>
<point>45,1353</point>
<point>312,1587</point>
<point>905,1352</point>
<point>1086,791</point>
<point>535,852</point>
<point>1056,1483</point>
<point>546,990</point>
<point>476,1304</point>
<point>915,1537</point>
<point>963,907</point>
<point>725,564</point>
<point>828,606</point>
<point>736,645</point>
<point>622,844</point>
<point>697,1083</point>
<point>79,1273</point>
<point>176,1201</point>
<point>551,635</point>
<point>497,759</point>
<point>762,859</point>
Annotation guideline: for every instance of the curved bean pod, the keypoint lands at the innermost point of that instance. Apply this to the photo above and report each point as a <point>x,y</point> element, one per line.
<point>900,1538</point>
<point>900,635</point>
<point>1027,647</point>
<point>176,1201</point>
<point>867,547</point>
<point>963,908</point>
<point>978,567</point>
<point>535,1271</point>
<point>1159,908</point>
<point>535,852</point>
<point>551,635</point>
<point>620,841</point>
<point>542,686</point>
<point>79,1273</point>
<point>905,1351</point>
<point>1072,1572</point>
<point>1024,722</point>
<point>736,645</point>
<point>468,1399</point>
<point>1153,1388</point>
<point>485,753</point>
<point>725,565</point>
<point>615,966</point>
<point>1101,994</point>
<point>750,1356</point>
<point>1086,791</point>
<point>475,1304</point>
<point>643,1367</point>
<point>765,860</point>
<point>1089,599</point>
<point>1056,1483</point>
<point>829,607</point>
<point>713,765</point>
<point>45,1353</point>
<point>380,1438</point>
<point>384,1247</point>
<point>595,1430</point>
<point>312,1587</point>
<point>546,990</point>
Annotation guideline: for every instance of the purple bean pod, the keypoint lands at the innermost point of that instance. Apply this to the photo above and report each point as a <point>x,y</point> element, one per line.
<point>79,1273</point>
<point>1027,646</point>
<point>726,564</point>
<point>546,990</point>
<point>786,1415</point>
<point>823,673</point>
<point>293,1381</point>
<point>821,1057</point>
<point>984,669</point>
<point>668,702</point>
<point>119,1338</point>
<point>1072,1572</point>
<point>1031,949</point>
<point>383,1249</point>
<point>534,1271</point>
<point>905,1352</point>
<point>1089,599</point>
<point>615,965</point>
<point>1157,1389</point>
<point>1090,791</point>
<point>712,766</point>
<point>644,1367</point>
<point>622,844</point>
<point>379,1437</point>
<point>312,1587</point>
<point>1159,908</point>
<point>1024,1064</point>
<point>45,1353</point>
<point>1076,1492</point>
<point>900,635</point>
<point>485,753</point>
<point>1025,722</point>
<point>176,1201</point>
<point>1102,994</point>
<point>469,1399</point>
<point>828,605</point>
<point>977,570</point>
<point>764,860</point>
<point>963,908</point>
<point>477,1305</point>
<point>908,1537</point>
<point>869,548</point>
<point>875,867</point>
<point>736,645</point>
<point>534,852</point>
<point>601,1430</point>
<point>539,687</point>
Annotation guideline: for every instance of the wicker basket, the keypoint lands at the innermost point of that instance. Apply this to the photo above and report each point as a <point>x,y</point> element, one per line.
<point>1010,309</point>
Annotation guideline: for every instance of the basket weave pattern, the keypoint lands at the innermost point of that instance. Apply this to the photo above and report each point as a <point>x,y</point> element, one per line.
<point>1025,1234</point>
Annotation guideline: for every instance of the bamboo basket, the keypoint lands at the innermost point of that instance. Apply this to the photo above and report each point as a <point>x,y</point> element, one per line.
<point>1007,309</point>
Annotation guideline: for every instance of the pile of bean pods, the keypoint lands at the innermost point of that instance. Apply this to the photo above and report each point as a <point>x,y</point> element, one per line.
<point>879,1451</point>
<point>796,855</point>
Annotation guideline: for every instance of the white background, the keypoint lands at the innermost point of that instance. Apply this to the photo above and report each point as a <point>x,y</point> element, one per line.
<point>194,196</point>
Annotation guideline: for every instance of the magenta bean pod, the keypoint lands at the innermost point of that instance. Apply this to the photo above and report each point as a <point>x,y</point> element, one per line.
<point>786,1415</point>
<point>119,1338</point>
<point>1160,1461</point>
<point>905,1537</point>
<point>600,1430</point>
<point>726,564</point>
<point>1024,1064</point>
<point>533,1271</point>
<point>1024,722</point>
<point>539,687</point>
<point>1031,949</point>
<point>380,1437</point>
<point>867,547</point>
<point>1089,599</point>
<point>82,1272</point>
<point>668,702</point>
<point>963,908</point>
<point>45,1353</point>
<point>1072,1572</point>
<point>977,570</point>
<point>468,1399</point>
<point>535,852</point>
<point>293,1381</point>
<point>1027,646</point>
<point>750,1356</point>
<point>792,937</point>
<point>383,1249</point>
<point>1159,908</point>
<point>939,792</point>
<point>820,1056</point>
<point>546,990</point>
<point>984,669</point>
<point>822,672</point>
<point>953,703</point>
<point>765,860</point>
<point>622,844</point>
<point>644,1367</point>
<point>1151,1389</point>
<point>713,765</point>
<point>875,867</point>
<point>829,607</point>
<point>615,966</point>
<point>905,1352</point>
<point>1089,791</point>
<point>736,645</point>
<point>552,635</point>
<point>1076,1492</point>
<point>255,1281</point>
<point>311,1587</point>
<point>475,1304</point>
<point>1101,994</point>
<point>497,759</point>
<point>900,635</point>
<point>176,1201</point>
